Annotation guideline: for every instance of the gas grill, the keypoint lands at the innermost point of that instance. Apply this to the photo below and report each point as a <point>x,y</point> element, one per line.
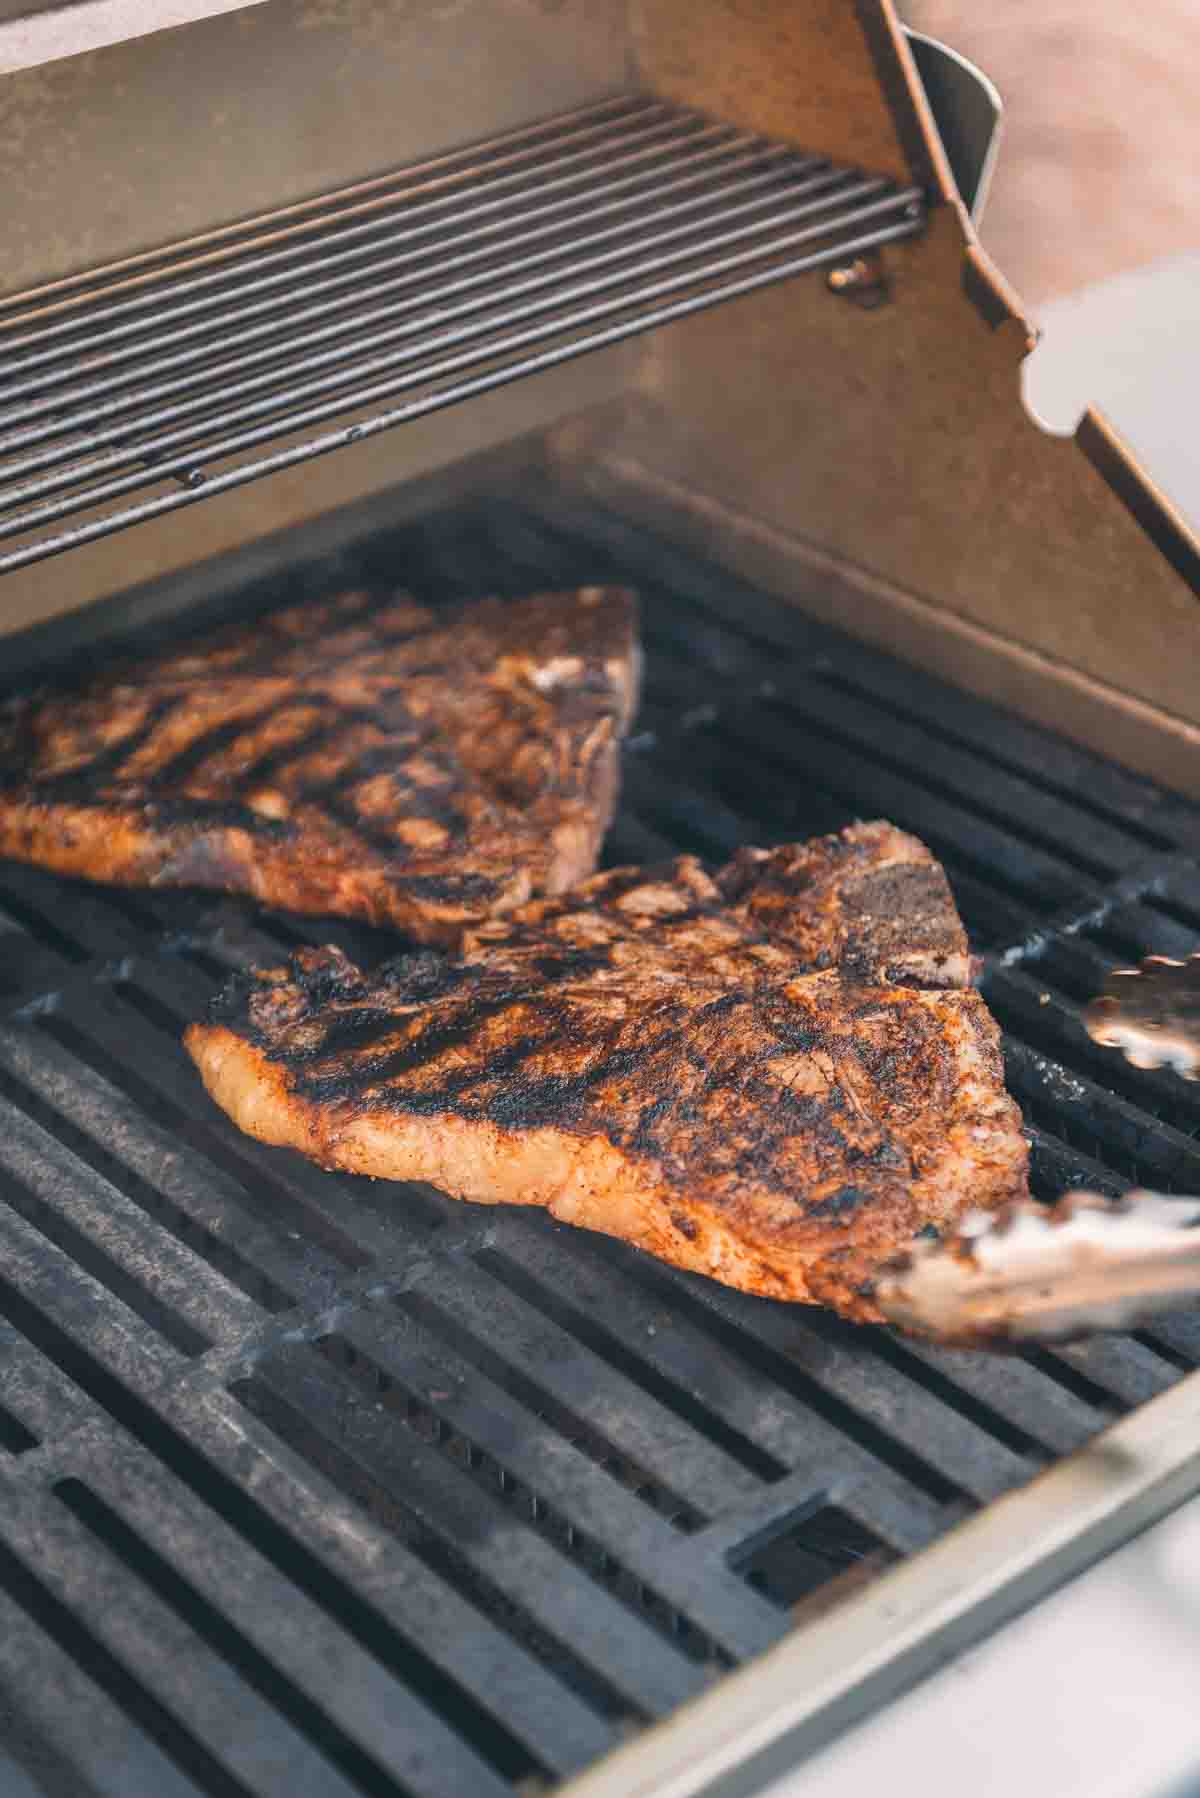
<point>313,1485</point>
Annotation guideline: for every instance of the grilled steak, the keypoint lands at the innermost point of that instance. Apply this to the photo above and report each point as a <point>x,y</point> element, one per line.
<point>360,757</point>
<point>776,1076</point>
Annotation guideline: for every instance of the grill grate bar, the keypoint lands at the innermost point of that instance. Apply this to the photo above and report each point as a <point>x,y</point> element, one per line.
<point>819,697</point>
<point>13,1782</point>
<point>728,611</point>
<point>998,855</point>
<point>578,1287</point>
<point>519,1713</point>
<point>338,1214</point>
<point>1038,1408</point>
<point>35,1392</point>
<point>419,1486</point>
<point>869,1396</point>
<point>230,1583</point>
<point>82,1732</point>
<point>553,1360</point>
<point>643,321</point>
<point>1056,1167</point>
<point>1139,929</point>
<point>433,1621</point>
<point>1093,847</point>
<point>211,1721</point>
<point>1169,1158</point>
<point>1001,880</point>
<point>1129,1371</point>
<point>103,1230</point>
<point>39,1278</point>
<point>96,928</point>
<point>880,1391</point>
<point>220,244</point>
<point>631,1535</point>
<point>215,1214</point>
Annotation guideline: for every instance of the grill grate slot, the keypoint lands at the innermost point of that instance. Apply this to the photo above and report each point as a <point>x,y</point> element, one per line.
<point>472,1540</point>
<point>585,232</point>
<point>861,1397</point>
<point>797,1560</point>
<point>442,1423</point>
<point>15,1439</point>
<point>131,1292</point>
<point>181,1200</point>
<point>452,1500</point>
<point>228,1643</point>
<point>151,1719</point>
<point>676,1510</point>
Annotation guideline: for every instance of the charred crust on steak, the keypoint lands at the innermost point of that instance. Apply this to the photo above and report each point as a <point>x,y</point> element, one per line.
<point>840,1205</point>
<point>361,756</point>
<point>716,1052</point>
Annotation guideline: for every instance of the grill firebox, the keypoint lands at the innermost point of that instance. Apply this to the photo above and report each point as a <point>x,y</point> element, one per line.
<point>312,1485</point>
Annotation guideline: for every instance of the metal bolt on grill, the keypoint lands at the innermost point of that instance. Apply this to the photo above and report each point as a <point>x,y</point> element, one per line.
<point>309,1484</point>
<point>170,376</point>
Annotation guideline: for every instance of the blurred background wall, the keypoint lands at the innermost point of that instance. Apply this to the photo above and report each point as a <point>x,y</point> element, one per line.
<point>1099,166</point>
<point>1094,209</point>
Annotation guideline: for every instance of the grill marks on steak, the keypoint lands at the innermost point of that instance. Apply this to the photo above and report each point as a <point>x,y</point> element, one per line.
<point>363,757</point>
<point>775,1075</point>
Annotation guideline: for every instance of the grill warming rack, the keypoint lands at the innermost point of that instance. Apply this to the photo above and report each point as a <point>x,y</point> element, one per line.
<point>177,375</point>
<point>309,1484</point>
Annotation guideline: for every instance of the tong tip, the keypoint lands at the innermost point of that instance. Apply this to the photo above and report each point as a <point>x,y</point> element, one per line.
<point>1151,1013</point>
<point>1031,1273</point>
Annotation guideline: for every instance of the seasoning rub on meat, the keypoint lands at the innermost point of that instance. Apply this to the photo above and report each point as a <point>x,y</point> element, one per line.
<point>355,756</point>
<point>777,1075</point>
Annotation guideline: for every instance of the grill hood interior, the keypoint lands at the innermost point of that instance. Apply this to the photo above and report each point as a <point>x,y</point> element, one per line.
<point>874,465</point>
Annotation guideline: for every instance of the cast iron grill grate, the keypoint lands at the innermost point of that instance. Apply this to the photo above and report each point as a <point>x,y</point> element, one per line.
<point>313,1485</point>
<point>132,390</point>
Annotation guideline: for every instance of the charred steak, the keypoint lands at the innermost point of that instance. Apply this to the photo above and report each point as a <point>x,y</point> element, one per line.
<point>776,1076</point>
<point>420,769</point>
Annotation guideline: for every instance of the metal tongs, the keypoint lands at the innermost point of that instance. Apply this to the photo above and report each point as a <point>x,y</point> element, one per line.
<point>1034,1273</point>
<point>1152,1014</point>
<point>1038,1273</point>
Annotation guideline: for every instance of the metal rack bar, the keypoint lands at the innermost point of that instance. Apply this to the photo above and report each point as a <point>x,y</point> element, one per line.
<point>652,118</point>
<point>402,270</point>
<point>505,304</point>
<point>222,241</point>
<point>751,193</point>
<point>463,277</point>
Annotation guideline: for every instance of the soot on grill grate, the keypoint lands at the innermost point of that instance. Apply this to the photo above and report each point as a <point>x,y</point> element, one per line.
<point>313,1484</point>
